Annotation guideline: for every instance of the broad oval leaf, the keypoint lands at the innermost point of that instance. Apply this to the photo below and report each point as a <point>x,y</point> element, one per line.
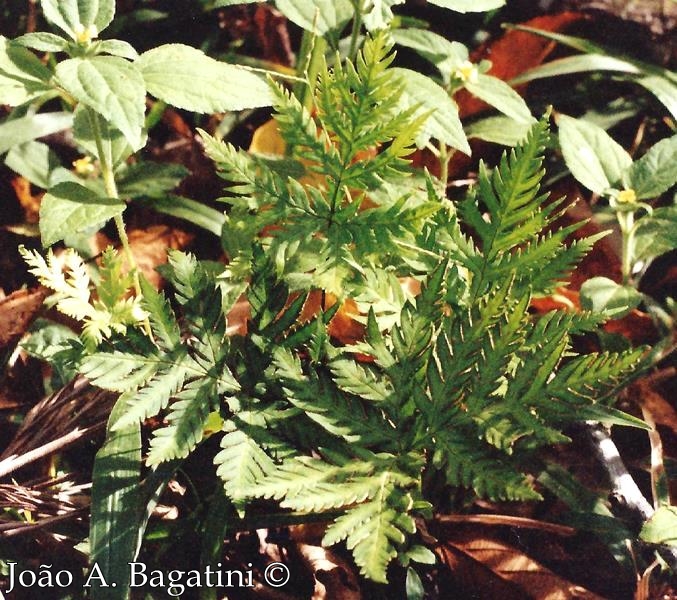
<point>602,295</point>
<point>319,16</point>
<point>501,96</point>
<point>499,130</point>
<point>656,234</point>
<point>443,123</point>
<point>110,85</point>
<point>117,48</point>
<point>22,76</point>
<point>71,208</point>
<point>592,156</point>
<point>42,41</point>
<point>661,528</point>
<point>115,146</point>
<point>656,171</point>
<point>186,78</point>
<point>466,6</point>
<point>445,55</point>
<point>70,15</point>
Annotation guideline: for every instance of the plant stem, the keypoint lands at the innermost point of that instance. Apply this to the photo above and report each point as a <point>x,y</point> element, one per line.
<point>626,221</point>
<point>105,162</point>
<point>444,164</point>
<point>355,32</point>
<point>112,192</point>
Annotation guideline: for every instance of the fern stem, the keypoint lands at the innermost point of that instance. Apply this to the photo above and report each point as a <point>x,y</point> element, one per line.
<point>311,56</point>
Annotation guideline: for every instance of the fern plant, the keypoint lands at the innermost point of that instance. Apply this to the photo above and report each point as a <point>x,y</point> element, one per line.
<point>457,386</point>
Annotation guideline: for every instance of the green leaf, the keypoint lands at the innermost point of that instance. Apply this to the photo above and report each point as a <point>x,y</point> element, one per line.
<point>592,156</point>
<point>42,41</point>
<point>421,554</point>
<point>150,179</point>
<point>22,76</point>
<point>39,164</point>
<point>414,586</point>
<point>319,16</point>
<point>18,131</point>
<point>221,3</point>
<point>445,55</point>
<point>656,171</point>
<point>656,234</point>
<point>501,96</point>
<point>664,90</point>
<point>466,6</point>
<point>499,130</point>
<point>89,125</point>
<point>381,14</point>
<point>187,417</point>
<point>117,513</point>
<point>443,123</point>
<point>186,78</point>
<point>580,63</point>
<point>659,81</point>
<point>116,48</point>
<point>661,528</point>
<point>111,86</point>
<point>71,15</point>
<point>72,208</point>
<point>194,212</point>
<point>602,295</point>
<point>241,464</point>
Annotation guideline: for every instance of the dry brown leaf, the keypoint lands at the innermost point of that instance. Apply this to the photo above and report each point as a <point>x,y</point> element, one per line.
<point>334,577</point>
<point>17,312</point>
<point>149,247</point>
<point>272,35</point>
<point>267,140</point>
<point>661,410</point>
<point>491,568</point>
<point>29,202</point>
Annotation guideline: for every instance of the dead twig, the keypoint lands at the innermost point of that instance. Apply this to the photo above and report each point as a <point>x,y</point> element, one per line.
<point>627,501</point>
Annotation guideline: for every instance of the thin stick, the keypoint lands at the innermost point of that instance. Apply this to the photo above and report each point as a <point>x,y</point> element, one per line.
<point>15,461</point>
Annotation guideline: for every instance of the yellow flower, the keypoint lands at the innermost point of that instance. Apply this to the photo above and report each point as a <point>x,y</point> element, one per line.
<point>83,34</point>
<point>627,197</point>
<point>466,72</point>
<point>84,166</point>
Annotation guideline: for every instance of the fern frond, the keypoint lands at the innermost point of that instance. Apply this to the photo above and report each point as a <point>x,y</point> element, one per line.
<point>479,467</point>
<point>374,530</point>
<point>162,320</point>
<point>592,377</point>
<point>186,422</point>
<point>155,395</point>
<point>241,464</point>
<point>511,195</point>
<point>359,380</point>
<point>121,371</point>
